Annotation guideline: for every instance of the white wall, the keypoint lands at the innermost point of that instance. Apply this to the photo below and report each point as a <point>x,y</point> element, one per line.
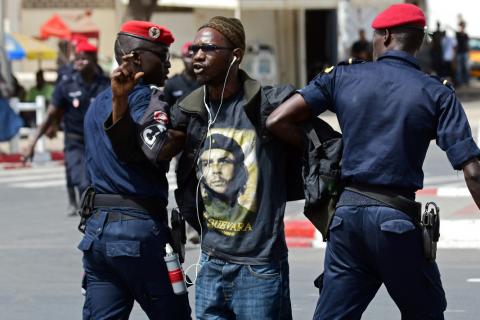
<point>259,25</point>
<point>447,13</point>
<point>182,25</point>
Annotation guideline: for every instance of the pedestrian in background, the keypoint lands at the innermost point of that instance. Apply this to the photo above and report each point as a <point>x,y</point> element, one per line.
<point>362,48</point>
<point>387,125</point>
<point>10,121</point>
<point>125,236</point>
<point>462,59</point>
<point>41,88</point>
<point>436,50</point>
<point>449,44</point>
<point>180,85</point>
<point>70,100</point>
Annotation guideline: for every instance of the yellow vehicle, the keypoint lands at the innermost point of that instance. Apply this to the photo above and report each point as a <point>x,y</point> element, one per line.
<point>474,57</point>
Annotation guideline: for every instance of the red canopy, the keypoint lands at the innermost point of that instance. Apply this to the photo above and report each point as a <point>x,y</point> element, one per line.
<point>55,27</point>
<point>79,26</point>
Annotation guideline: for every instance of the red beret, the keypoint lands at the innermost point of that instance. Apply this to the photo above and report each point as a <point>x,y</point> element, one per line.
<point>398,15</point>
<point>85,46</point>
<point>148,31</point>
<point>185,48</point>
<point>77,38</point>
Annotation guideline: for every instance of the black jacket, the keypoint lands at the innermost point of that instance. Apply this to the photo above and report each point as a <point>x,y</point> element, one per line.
<point>190,116</point>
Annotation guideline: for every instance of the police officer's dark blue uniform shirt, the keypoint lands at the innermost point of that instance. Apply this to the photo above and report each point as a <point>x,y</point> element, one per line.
<point>126,234</point>
<point>108,174</point>
<point>74,96</point>
<point>387,133</point>
<point>388,111</point>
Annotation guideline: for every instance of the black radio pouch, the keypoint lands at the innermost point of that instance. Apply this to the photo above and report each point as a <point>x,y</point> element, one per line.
<point>179,236</point>
<point>86,208</point>
<point>430,225</point>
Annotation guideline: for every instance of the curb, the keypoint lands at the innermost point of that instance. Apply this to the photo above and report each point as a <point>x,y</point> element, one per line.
<point>447,192</point>
<point>15,160</point>
<point>44,156</point>
<point>300,233</point>
<point>454,234</point>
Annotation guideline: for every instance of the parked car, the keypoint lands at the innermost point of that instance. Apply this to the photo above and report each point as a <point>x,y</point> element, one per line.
<point>474,57</point>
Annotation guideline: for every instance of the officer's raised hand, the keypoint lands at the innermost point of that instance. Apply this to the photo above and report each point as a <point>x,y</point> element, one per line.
<point>123,80</point>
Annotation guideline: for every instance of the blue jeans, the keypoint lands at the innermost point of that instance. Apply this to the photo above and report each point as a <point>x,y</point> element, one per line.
<point>242,292</point>
<point>371,245</point>
<point>123,262</point>
<point>463,72</point>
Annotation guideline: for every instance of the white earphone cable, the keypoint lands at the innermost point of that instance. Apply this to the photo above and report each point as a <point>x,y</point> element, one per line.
<point>211,122</point>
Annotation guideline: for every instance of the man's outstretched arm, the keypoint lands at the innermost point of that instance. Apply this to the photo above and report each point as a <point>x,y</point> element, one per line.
<point>173,145</point>
<point>54,115</point>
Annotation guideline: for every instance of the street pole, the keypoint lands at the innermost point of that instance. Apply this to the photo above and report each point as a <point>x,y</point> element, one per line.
<point>4,63</point>
<point>238,10</point>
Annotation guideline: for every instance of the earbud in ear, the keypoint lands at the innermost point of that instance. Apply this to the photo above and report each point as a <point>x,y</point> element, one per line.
<point>233,60</point>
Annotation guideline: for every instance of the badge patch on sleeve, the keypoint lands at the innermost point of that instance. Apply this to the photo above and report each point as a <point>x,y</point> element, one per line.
<point>161,117</point>
<point>150,135</point>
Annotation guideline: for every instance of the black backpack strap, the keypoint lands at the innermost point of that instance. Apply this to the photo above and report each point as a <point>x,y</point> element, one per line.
<point>312,135</point>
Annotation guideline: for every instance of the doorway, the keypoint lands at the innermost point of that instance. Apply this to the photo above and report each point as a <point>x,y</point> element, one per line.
<point>320,40</point>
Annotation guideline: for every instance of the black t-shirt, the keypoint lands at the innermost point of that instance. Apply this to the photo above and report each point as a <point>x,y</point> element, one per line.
<point>462,42</point>
<point>243,193</point>
<point>361,49</point>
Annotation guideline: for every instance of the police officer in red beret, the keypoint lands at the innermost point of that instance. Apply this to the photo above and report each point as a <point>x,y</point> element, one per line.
<point>70,101</point>
<point>180,85</point>
<point>126,208</point>
<point>388,111</point>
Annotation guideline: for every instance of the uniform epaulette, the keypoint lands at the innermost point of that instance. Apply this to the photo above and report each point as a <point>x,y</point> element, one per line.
<point>329,69</point>
<point>350,62</point>
<point>343,63</point>
<point>444,81</point>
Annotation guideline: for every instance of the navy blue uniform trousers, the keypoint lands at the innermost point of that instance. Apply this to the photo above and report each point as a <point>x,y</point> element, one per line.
<point>123,262</point>
<point>75,164</point>
<point>371,245</point>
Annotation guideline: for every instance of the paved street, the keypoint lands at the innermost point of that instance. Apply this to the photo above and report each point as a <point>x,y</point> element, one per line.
<point>40,268</point>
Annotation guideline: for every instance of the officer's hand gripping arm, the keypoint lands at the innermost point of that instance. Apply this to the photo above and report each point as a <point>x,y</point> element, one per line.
<point>284,121</point>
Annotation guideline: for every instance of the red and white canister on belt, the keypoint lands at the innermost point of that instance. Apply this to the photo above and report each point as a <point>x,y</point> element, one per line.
<point>175,272</point>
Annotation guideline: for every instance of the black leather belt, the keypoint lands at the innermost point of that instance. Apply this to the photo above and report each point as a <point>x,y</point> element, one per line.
<point>153,206</point>
<point>116,216</point>
<point>390,199</point>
